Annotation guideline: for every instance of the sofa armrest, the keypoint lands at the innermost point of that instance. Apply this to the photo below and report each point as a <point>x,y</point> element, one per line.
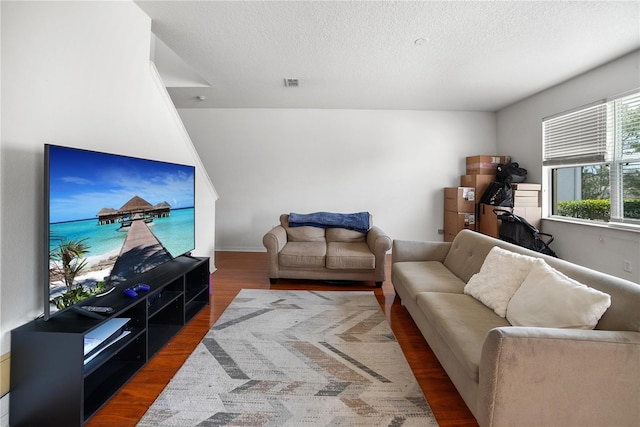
<point>379,243</point>
<point>550,376</point>
<point>274,241</point>
<point>410,250</point>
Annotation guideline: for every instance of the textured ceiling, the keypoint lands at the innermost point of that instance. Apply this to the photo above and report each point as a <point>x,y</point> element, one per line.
<point>476,55</point>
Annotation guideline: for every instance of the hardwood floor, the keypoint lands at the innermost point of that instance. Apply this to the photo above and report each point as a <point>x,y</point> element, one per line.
<point>237,270</point>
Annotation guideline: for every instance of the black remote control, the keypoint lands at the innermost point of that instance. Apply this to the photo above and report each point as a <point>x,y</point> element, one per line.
<point>98,309</point>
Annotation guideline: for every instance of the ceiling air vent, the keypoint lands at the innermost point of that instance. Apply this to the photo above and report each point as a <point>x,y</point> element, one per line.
<point>291,83</point>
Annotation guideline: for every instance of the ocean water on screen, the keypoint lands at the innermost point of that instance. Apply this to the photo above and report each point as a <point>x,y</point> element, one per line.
<point>176,233</point>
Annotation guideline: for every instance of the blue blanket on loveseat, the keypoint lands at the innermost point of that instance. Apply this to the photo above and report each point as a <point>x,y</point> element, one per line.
<point>352,221</point>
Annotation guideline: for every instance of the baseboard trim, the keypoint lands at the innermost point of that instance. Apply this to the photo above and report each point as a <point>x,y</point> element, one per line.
<point>241,249</point>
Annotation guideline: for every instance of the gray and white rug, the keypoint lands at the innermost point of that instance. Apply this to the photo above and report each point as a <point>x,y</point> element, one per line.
<point>295,358</point>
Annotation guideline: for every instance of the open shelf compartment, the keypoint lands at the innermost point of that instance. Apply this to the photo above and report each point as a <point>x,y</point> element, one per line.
<point>51,382</point>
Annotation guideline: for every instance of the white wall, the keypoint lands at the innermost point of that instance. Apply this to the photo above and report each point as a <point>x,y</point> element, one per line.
<point>76,74</point>
<point>520,132</point>
<point>393,164</point>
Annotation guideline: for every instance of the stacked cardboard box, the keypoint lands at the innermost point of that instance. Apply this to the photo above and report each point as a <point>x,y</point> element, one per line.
<point>478,182</point>
<point>526,195</point>
<point>527,202</point>
<point>463,209</point>
<point>480,172</point>
<point>488,220</point>
<point>459,211</point>
<point>484,165</point>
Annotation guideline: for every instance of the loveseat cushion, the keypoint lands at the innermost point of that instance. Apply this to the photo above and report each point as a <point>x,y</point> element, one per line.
<point>301,234</point>
<point>350,256</point>
<point>426,276</point>
<point>463,323</point>
<point>303,254</point>
<point>344,235</point>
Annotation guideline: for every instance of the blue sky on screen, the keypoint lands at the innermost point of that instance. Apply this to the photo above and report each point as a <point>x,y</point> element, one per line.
<point>81,183</point>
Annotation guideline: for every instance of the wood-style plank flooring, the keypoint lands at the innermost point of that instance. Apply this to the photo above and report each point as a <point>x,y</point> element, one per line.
<point>237,270</point>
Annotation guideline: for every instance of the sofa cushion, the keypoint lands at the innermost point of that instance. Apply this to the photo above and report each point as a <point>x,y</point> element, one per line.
<point>426,276</point>
<point>463,323</point>
<point>548,298</point>
<point>500,276</point>
<point>344,235</point>
<point>350,256</point>
<point>302,234</point>
<point>467,253</point>
<point>303,254</point>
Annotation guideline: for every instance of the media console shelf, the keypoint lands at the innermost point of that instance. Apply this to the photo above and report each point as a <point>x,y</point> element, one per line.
<point>51,382</point>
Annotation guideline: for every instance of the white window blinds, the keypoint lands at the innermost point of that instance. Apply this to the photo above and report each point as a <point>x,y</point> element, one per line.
<point>627,125</point>
<point>577,137</point>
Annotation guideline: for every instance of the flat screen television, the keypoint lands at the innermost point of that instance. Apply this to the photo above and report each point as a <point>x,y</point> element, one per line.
<point>110,218</point>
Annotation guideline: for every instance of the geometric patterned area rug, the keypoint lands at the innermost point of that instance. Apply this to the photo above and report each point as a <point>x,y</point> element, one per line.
<point>295,358</point>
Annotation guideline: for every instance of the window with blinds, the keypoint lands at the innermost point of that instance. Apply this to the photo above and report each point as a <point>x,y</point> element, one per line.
<point>593,157</point>
<point>576,137</point>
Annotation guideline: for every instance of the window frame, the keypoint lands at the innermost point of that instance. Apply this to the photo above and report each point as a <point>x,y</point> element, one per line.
<point>573,155</point>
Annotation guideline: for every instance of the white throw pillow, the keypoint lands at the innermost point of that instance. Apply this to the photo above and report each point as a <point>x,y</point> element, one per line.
<point>501,274</point>
<point>548,298</point>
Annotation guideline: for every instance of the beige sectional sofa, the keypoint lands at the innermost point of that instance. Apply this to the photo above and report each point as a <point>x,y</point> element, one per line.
<point>525,375</point>
<point>326,254</point>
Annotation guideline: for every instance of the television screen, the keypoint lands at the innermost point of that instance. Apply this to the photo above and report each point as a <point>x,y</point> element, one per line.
<point>109,218</point>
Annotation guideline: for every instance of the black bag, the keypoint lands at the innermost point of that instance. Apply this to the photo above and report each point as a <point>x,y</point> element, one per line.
<point>510,172</point>
<point>498,194</point>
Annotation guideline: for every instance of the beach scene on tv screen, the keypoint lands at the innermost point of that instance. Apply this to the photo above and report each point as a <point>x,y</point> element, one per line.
<point>112,218</point>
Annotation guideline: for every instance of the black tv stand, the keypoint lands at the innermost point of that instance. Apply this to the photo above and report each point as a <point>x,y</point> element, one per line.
<point>53,384</point>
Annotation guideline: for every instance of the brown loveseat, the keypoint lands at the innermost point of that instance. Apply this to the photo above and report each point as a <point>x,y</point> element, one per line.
<point>308,252</point>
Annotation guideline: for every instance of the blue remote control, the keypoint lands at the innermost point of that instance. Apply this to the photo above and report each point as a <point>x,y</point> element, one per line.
<point>133,291</point>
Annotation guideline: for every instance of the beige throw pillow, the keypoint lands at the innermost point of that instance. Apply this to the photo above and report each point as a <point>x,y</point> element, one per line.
<point>548,298</point>
<point>501,274</point>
